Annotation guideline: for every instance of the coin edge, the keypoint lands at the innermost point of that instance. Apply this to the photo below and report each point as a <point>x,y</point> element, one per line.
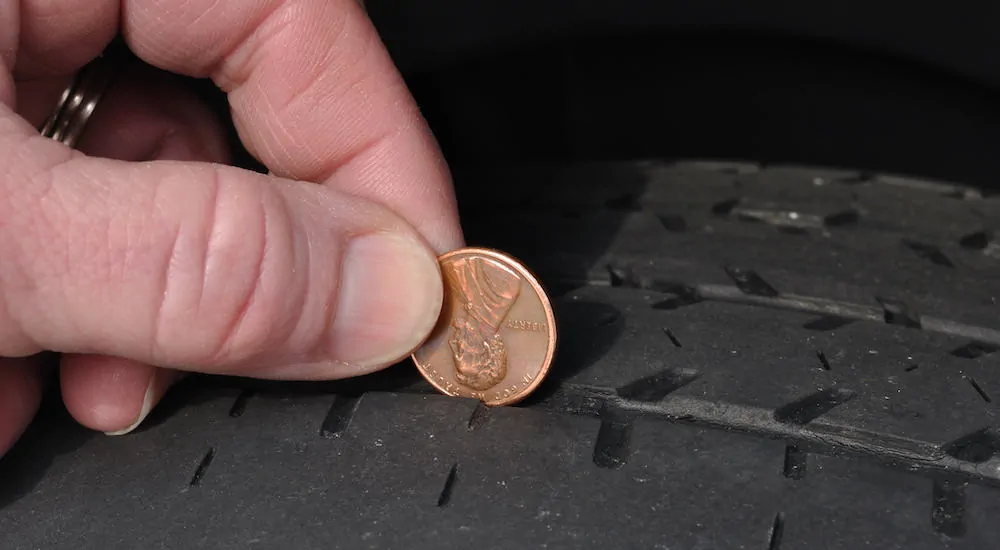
<point>517,265</point>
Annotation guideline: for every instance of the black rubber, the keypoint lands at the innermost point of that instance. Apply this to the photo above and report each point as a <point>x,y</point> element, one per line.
<point>772,358</point>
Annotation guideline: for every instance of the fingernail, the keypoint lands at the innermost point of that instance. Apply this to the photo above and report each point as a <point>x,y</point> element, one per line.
<point>390,298</point>
<point>147,405</point>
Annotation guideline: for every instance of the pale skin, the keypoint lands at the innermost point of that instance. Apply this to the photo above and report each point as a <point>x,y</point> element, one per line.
<point>141,255</point>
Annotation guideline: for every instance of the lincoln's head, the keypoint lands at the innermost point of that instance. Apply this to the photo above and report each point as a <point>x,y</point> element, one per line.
<point>486,294</point>
<point>479,353</point>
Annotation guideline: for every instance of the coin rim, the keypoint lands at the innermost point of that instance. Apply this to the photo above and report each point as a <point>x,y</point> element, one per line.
<point>543,297</point>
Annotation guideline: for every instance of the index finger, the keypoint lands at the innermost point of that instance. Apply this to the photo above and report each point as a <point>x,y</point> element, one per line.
<point>314,94</point>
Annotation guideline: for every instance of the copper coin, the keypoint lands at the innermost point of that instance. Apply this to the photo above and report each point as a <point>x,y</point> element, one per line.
<point>496,336</point>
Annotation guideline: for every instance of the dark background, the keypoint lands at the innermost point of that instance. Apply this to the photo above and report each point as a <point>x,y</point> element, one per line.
<point>881,86</point>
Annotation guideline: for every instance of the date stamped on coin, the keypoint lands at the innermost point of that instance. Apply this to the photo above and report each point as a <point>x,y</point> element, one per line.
<point>496,337</point>
<point>526,325</point>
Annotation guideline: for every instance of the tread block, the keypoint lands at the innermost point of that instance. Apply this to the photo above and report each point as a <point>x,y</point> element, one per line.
<point>609,337</point>
<point>720,489</point>
<point>284,415</point>
<point>927,403</point>
<point>849,504</point>
<point>536,471</point>
<point>529,468</point>
<point>392,461</point>
<point>66,472</point>
<point>767,360</point>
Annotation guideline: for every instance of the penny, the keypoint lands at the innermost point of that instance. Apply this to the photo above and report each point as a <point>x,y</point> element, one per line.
<point>496,335</point>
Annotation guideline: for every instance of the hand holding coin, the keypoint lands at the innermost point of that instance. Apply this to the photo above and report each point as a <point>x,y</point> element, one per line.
<point>496,336</point>
<point>131,247</point>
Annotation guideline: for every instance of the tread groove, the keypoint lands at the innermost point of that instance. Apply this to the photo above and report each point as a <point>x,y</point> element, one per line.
<point>449,486</point>
<point>823,361</point>
<point>827,323</point>
<point>338,418</point>
<point>621,277</point>
<point>673,338</point>
<point>974,350</point>
<point>975,241</point>
<point>657,386</point>
<point>929,252</point>
<point>724,293</point>
<point>724,208</point>
<point>480,415</point>
<point>613,445</point>
<point>240,404</point>
<point>841,219</point>
<point>199,472</point>
<point>795,462</point>
<point>979,389</point>
<point>682,296</point>
<point>948,511</point>
<point>892,451</point>
<point>785,221</point>
<point>887,449</point>
<point>977,447</point>
<point>983,339</point>
<point>750,282</point>
<point>672,222</point>
<point>813,406</point>
<point>895,312</point>
<point>776,532</point>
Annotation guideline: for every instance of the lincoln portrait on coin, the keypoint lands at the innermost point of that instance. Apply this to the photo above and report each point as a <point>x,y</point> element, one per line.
<point>486,294</point>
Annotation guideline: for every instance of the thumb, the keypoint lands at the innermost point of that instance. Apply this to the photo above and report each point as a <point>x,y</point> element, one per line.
<point>203,267</point>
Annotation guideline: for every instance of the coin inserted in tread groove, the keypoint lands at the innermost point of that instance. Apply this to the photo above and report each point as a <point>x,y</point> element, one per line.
<point>496,336</point>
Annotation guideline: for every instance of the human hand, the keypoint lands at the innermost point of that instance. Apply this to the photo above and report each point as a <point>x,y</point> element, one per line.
<point>157,258</point>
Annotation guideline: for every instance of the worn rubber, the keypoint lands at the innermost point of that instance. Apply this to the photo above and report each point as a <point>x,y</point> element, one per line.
<point>750,357</point>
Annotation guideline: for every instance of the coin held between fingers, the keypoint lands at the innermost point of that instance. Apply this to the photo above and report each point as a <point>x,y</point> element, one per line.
<point>496,336</point>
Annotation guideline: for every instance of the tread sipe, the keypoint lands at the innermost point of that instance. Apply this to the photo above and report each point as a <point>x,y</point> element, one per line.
<point>750,357</point>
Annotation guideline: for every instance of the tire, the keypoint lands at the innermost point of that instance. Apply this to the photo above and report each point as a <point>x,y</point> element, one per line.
<point>770,357</point>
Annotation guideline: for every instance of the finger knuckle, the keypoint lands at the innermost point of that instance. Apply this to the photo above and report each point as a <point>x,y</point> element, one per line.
<point>244,270</point>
